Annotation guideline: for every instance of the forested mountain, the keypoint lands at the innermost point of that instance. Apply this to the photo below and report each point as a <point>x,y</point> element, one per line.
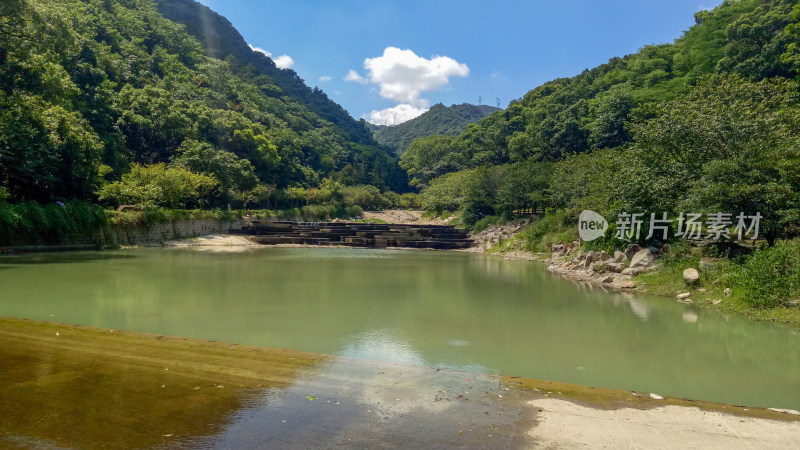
<point>91,89</point>
<point>439,120</point>
<point>221,41</point>
<point>588,111</point>
<point>709,122</point>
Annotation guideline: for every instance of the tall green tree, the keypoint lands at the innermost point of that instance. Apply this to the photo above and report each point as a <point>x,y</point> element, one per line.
<point>236,176</point>
<point>728,146</point>
<point>429,157</point>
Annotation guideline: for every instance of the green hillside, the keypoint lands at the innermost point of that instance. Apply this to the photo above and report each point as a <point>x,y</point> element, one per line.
<point>222,41</point>
<point>92,89</point>
<point>707,123</point>
<point>439,120</point>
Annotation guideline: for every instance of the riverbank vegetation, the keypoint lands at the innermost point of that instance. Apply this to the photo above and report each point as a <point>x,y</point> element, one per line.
<point>31,222</point>
<point>762,283</point>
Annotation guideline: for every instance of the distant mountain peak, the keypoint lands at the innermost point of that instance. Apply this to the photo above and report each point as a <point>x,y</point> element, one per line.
<point>438,120</point>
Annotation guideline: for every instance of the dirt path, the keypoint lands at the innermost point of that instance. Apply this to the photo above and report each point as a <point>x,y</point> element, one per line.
<point>213,241</point>
<point>406,217</point>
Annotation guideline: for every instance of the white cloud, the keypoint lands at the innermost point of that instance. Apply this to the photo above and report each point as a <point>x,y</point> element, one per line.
<point>354,76</point>
<point>393,116</point>
<point>403,76</point>
<point>324,78</point>
<point>282,62</point>
<point>260,50</point>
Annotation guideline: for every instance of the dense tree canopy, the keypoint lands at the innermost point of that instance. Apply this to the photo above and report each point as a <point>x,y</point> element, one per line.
<point>89,87</point>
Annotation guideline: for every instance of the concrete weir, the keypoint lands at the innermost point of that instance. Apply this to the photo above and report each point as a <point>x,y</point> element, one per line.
<point>349,234</point>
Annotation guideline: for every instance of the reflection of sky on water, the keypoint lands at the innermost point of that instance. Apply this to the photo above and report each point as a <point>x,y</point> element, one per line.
<point>345,401</point>
<point>382,345</point>
<point>390,345</point>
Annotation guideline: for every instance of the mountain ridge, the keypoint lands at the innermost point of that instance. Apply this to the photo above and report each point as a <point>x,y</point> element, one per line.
<point>439,120</point>
<point>221,40</point>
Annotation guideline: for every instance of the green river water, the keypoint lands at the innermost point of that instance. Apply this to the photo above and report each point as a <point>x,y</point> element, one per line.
<point>436,309</point>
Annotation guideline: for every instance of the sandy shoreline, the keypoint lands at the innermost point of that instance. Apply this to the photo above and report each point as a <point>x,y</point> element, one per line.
<point>146,390</point>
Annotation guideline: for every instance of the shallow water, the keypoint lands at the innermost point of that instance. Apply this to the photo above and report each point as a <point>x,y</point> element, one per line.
<point>435,309</point>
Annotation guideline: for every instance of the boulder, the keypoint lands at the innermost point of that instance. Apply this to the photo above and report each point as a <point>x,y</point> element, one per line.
<point>716,302</point>
<point>683,296</point>
<point>591,258</point>
<point>664,249</point>
<point>628,285</point>
<point>619,257</point>
<point>691,276</point>
<point>614,267</point>
<point>604,255</point>
<point>608,279</point>
<point>642,258</point>
<point>631,271</point>
<point>727,292</point>
<point>632,250</point>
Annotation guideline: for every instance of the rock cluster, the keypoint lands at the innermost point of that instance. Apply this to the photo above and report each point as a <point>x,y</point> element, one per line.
<point>495,234</point>
<point>617,270</point>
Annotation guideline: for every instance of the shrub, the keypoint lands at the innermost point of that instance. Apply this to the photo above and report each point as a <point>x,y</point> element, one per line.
<point>160,185</point>
<point>771,276</point>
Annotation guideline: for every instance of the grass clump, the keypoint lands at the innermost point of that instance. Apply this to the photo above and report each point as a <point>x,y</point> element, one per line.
<point>487,221</point>
<point>551,229</point>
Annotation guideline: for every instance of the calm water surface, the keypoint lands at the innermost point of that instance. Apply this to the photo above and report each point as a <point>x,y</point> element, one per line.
<point>436,309</point>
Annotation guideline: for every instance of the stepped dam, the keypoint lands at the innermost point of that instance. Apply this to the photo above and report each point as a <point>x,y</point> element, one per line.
<point>349,234</point>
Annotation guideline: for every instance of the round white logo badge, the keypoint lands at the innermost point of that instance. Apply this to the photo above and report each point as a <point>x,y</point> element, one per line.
<point>591,225</point>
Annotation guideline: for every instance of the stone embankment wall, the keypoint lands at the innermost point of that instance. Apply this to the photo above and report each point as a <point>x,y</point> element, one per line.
<point>161,232</point>
<point>134,235</point>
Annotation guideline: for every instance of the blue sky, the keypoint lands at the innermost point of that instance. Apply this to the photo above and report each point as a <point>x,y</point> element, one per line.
<point>492,49</point>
